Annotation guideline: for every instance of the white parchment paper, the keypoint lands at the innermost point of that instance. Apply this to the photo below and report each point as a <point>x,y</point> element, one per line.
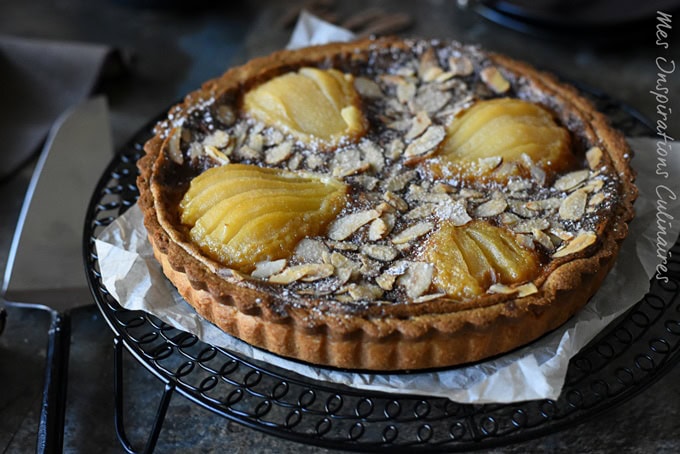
<point>537,371</point>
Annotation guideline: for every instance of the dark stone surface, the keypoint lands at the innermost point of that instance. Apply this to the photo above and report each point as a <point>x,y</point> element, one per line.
<point>170,51</point>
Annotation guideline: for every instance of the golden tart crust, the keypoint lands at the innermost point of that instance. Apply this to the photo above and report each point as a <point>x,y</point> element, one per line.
<point>397,330</point>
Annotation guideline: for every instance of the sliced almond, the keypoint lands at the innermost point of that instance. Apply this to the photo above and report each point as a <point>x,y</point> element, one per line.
<point>394,149</point>
<point>528,226</point>
<point>384,253</point>
<point>428,67</point>
<point>218,139</point>
<point>502,289</point>
<point>256,141</point>
<point>579,243</point>
<point>487,165</point>
<point>313,161</point>
<point>373,154</point>
<point>417,279</point>
<point>395,201</point>
<point>173,147</point>
<point>573,207</point>
<point>427,142</point>
<point>594,157</point>
<point>398,181</point>
<point>421,211</point>
<point>549,204</point>
<point>454,211</point>
<point>247,153</point>
<point>543,239</point>
<point>364,292</point>
<point>571,180</point>
<point>527,289</point>
<point>348,162</point>
<point>596,199</point>
<point>493,207</point>
<point>381,227</point>
<point>430,99</point>
<point>310,251</point>
<point>509,218</point>
<point>216,154</point>
<point>268,268</point>
<point>493,78</point>
<point>278,153</point>
<point>460,65</point>
<point>428,297</point>
<point>594,185</point>
<point>413,232</point>
<point>418,125</point>
<point>272,137</point>
<point>386,281</point>
<point>310,271</point>
<point>345,226</point>
<point>406,92</point>
<point>367,88</point>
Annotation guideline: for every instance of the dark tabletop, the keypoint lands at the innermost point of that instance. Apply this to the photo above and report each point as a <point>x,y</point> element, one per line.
<point>169,51</point>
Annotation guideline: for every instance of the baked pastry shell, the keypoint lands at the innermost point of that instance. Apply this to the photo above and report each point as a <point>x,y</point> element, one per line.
<point>434,334</point>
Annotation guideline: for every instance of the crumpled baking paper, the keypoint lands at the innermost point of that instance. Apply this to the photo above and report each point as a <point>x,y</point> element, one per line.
<point>537,371</point>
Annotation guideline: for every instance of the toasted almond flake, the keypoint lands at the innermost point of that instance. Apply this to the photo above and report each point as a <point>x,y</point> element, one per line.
<point>538,174</point>
<point>417,279</point>
<point>561,233</point>
<point>413,232</point>
<point>173,147</point>
<point>381,227</point>
<point>427,142</point>
<point>519,207</point>
<point>543,239</point>
<point>527,289</point>
<point>549,204</point>
<point>594,157</point>
<point>454,211</point>
<point>468,193</point>
<point>256,141</point>
<point>246,152</point>
<point>428,66</point>
<point>444,77</point>
<point>594,185</point>
<point>525,240</point>
<point>406,92</point>
<point>418,126</point>
<point>384,253</point>
<point>401,125</point>
<point>365,292</point>
<point>394,149</point>
<point>268,268</point>
<point>493,207</point>
<point>369,267</point>
<point>345,226</point>
<point>581,242</point>
<point>486,165</point>
<point>528,226</point>
<point>367,88</point>
<point>399,181</point>
<point>509,218</point>
<point>278,153</point>
<point>318,271</point>
<point>348,162</point>
<point>573,207</point>
<point>295,161</point>
<point>386,281</point>
<point>460,65</point>
<point>518,185</point>
<point>313,161</point>
<point>430,99</point>
<point>502,289</point>
<point>493,78</point>
<point>218,139</point>
<point>310,251</point>
<point>373,154</point>
<point>343,275</point>
<point>571,180</point>
<point>395,201</point>
<point>429,297</point>
<point>421,211</point>
<point>196,150</point>
<point>216,154</point>
<point>272,137</point>
<point>311,271</point>
<point>596,199</point>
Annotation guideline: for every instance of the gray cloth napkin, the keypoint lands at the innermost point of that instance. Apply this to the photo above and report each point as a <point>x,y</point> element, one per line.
<point>39,80</point>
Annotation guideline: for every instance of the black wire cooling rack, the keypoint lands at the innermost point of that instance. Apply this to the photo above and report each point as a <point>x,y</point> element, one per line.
<point>630,354</point>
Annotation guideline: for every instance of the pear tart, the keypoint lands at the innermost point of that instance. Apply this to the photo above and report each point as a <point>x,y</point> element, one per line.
<point>386,204</point>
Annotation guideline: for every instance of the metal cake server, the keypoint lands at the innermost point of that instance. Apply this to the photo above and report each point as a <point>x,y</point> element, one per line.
<point>44,268</point>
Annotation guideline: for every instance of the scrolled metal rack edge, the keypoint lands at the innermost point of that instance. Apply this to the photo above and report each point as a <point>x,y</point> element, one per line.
<point>471,422</point>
